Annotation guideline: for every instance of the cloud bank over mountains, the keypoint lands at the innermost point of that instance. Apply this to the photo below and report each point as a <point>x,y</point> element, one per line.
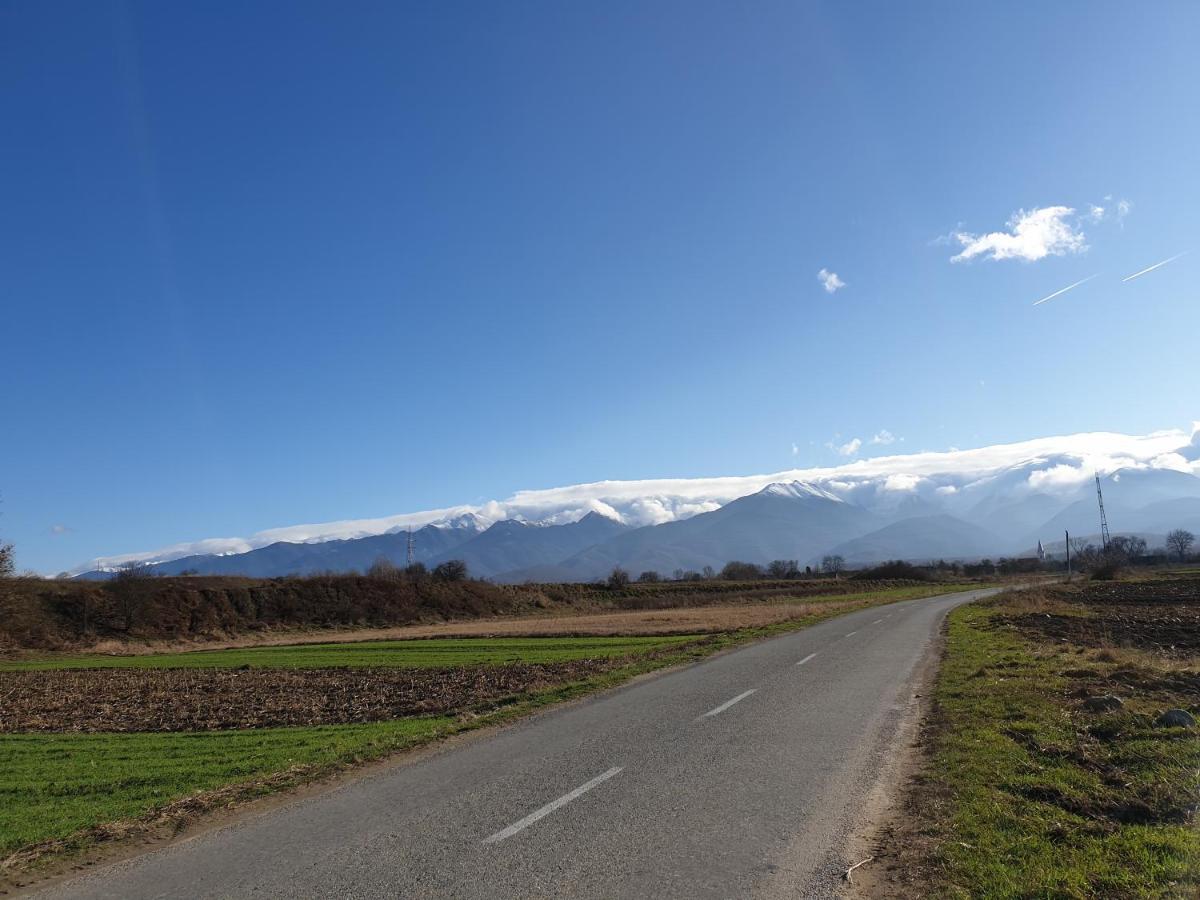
<point>955,478</point>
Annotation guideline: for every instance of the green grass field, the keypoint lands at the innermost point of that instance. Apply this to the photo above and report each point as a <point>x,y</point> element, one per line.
<point>411,653</point>
<point>1022,803</point>
<point>54,785</point>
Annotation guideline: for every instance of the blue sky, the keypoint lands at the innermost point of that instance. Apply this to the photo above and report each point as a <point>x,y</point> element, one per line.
<point>276,263</point>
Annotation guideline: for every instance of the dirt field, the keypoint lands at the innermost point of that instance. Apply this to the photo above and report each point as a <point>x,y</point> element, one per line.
<point>124,700</point>
<point>1161,615</point>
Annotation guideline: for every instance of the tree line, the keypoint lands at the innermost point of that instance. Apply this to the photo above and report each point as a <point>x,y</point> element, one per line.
<point>735,570</point>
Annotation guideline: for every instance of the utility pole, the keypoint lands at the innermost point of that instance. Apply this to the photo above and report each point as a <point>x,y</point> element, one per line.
<point>1067,536</point>
<point>1103,519</point>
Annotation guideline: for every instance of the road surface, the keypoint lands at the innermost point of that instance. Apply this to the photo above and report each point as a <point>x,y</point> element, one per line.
<point>741,775</point>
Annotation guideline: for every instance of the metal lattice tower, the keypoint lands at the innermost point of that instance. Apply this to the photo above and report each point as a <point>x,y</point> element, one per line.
<point>1103,518</point>
<point>411,545</point>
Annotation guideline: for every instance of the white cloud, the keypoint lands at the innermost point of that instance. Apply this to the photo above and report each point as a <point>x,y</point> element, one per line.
<point>1117,213</point>
<point>57,530</point>
<point>1053,463</point>
<point>830,281</point>
<point>1032,235</point>
<point>850,447</point>
<point>901,481</point>
<point>883,436</point>
<point>795,450</point>
<point>1058,477</point>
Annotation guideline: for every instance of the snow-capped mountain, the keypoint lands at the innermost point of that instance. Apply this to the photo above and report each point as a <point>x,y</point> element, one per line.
<point>1014,494</point>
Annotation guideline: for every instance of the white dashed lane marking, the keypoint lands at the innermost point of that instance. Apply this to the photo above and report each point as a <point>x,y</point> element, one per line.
<point>550,807</point>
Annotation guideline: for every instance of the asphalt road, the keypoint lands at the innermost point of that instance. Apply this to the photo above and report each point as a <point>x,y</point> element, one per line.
<point>742,775</point>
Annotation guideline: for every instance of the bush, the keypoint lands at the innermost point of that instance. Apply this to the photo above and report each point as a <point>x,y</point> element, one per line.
<point>57,613</point>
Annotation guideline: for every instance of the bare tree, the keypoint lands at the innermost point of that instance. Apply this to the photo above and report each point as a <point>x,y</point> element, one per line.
<point>783,569</point>
<point>384,569</point>
<point>131,586</point>
<point>450,570</point>
<point>1180,542</point>
<point>833,564</point>
<point>618,578</point>
<point>1126,549</point>
<point>649,577</point>
<point>8,561</point>
<point>736,570</point>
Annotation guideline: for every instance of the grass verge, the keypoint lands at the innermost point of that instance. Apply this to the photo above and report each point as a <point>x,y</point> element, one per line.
<point>1027,794</point>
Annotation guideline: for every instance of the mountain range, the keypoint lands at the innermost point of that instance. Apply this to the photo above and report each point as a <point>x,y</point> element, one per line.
<point>1007,513</point>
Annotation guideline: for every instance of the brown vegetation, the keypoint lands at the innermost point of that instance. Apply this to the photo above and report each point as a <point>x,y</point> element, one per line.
<point>60,614</point>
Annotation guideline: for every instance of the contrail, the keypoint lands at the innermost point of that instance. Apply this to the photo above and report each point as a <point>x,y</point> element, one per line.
<point>1153,267</point>
<point>1069,287</point>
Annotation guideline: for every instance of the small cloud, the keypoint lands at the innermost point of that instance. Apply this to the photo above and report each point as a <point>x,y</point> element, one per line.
<point>883,436</point>
<point>830,281</point>
<point>795,450</point>
<point>849,448</point>
<point>1117,212</point>
<point>1032,235</point>
<point>57,530</point>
